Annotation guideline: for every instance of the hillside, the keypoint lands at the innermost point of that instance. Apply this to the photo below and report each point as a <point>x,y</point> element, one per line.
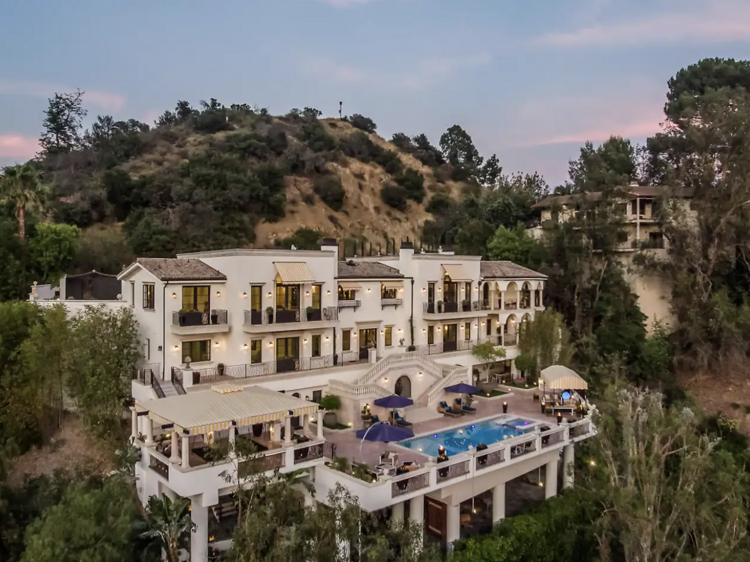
<point>238,177</point>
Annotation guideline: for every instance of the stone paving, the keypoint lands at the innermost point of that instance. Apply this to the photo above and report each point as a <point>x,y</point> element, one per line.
<point>520,402</point>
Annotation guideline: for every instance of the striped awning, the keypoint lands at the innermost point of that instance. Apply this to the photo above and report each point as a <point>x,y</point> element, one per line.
<point>350,286</point>
<point>558,377</point>
<point>456,272</point>
<point>199,413</point>
<point>393,284</point>
<point>293,273</point>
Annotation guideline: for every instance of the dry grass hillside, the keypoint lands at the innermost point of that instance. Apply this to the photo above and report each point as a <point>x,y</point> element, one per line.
<point>364,213</point>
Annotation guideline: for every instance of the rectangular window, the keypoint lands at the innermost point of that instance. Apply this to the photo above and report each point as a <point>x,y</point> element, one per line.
<point>467,295</point>
<point>431,293</point>
<point>388,336</point>
<point>196,299</point>
<point>317,395</point>
<point>450,332</point>
<point>347,294</point>
<point>346,340</point>
<point>255,298</point>
<point>148,296</point>
<point>147,349</point>
<point>316,346</point>
<point>489,327</point>
<point>388,292</point>
<point>467,331</point>
<point>316,290</point>
<point>287,348</point>
<point>287,297</point>
<point>256,352</point>
<point>634,207</point>
<point>430,335</point>
<point>197,350</point>
<point>132,293</point>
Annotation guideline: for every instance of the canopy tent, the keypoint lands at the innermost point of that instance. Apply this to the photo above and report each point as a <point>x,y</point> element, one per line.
<point>225,405</point>
<point>558,377</point>
<point>456,272</point>
<point>293,273</point>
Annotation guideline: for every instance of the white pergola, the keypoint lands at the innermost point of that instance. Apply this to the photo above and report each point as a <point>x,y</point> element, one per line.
<point>224,407</point>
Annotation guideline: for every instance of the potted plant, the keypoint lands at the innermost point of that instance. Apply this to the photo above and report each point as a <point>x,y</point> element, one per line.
<point>440,306</point>
<point>466,304</point>
<point>310,310</point>
<point>365,414</point>
<point>214,317</point>
<point>330,403</point>
<point>196,377</point>
<point>269,313</point>
<point>483,459</point>
<point>220,369</point>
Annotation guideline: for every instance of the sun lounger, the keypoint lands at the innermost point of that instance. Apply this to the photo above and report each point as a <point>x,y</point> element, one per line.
<point>446,410</point>
<point>402,422</point>
<point>465,408</point>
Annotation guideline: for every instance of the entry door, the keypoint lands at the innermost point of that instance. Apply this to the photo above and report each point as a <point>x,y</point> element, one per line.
<point>436,518</point>
<point>367,338</point>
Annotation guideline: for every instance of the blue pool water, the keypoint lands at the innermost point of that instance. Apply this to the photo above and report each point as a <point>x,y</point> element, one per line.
<point>458,440</point>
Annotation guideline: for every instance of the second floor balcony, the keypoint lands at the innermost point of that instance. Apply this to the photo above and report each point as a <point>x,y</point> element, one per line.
<point>281,319</point>
<point>192,322</point>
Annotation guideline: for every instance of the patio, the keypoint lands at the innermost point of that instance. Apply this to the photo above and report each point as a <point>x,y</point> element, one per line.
<point>520,403</point>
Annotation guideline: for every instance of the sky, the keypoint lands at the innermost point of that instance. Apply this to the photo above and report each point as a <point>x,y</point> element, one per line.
<point>530,81</point>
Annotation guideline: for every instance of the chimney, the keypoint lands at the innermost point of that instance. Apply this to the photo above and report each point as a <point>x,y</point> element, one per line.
<point>330,245</point>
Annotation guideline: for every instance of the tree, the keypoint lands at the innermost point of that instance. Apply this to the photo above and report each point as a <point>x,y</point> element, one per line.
<point>331,192</point>
<point>363,123</point>
<point>459,150</point>
<point>472,237</point>
<point>545,341</point>
<point>413,182</point>
<point>425,152</point>
<point>394,196</point>
<point>515,244</point>
<point>101,364</point>
<point>62,123</point>
<point>610,165</point>
<point>488,353</point>
<point>303,239</point>
<point>169,524</point>
<point>93,523</point>
<point>21,186</point>
<point>666,491</point>
<point>53,248</point>
<point>490,172</point>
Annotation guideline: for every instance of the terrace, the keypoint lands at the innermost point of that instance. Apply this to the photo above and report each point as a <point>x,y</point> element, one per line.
<point>386,487</point>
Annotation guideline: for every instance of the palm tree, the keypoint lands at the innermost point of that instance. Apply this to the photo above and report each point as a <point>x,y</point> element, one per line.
<point>20,185</point>
<point>169,522</point>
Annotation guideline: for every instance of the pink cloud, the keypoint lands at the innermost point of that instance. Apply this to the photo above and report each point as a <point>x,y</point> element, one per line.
<point>717,21</point>
<point>626,130</point>
<point>19,146</point>
<point>108,101</point>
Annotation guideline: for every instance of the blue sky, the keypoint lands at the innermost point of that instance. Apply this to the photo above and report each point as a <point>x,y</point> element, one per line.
<point>530,81</point>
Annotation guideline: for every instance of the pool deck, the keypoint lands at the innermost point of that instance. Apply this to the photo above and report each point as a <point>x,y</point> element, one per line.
<point>520,404</point>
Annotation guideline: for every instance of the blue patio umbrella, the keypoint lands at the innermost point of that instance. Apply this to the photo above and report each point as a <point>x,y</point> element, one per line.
<point>384,433</point>
<point>461,388</point>
<point>394,401</point>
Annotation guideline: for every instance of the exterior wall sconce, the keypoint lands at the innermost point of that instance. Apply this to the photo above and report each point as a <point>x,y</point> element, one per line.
<point>385,379</point>
<point>424,331</point>
<point>174,295</point>
<point>382,332</point>
<point>270,344</point>
<point>268,296</point>
<point>424,290</point>
<point>328,338</point>
<point>305,341</point>
<point>400,331</point>
<point>369,290</point>
<point>328,293</point>
<point>244,346</point>
<point>440,290</point>
<point>244,295</point>
<point>216,344</point>
<point>176,347</point>
<point>307,293</point>
<point>354,335</point>
<point>218,293</point>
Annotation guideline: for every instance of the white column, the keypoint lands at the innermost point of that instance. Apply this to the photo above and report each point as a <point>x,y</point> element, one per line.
<point>287,430</point>
<point>498,503</point>
<point>199,538</point>
<point>232,439</point>
<point>133,424</point>
<point>175,456</point>
<point>568,456</point>
<point>185,451</point>
<point>397,511</point>
<point>320,424</point>
<point>149,431</point>
<point>502,300</point>
<point>550,479</point>
<point>453,527</point>
<point>416,509</point>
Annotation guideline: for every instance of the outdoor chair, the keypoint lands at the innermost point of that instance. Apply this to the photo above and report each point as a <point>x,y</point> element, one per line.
<point>465,408</point>
<point>402,422</point>
<point>446,410</point>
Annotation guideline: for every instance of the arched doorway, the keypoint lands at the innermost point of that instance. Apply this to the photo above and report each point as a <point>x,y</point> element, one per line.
<point>403,386</point>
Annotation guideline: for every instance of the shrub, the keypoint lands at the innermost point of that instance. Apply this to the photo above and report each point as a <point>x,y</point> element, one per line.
<point>440,204</point>
<point>302,239</point>
<point>394,196</point>
<point>330,190</point>
<point>413,182</point>
<point>330,402</point>
<point>316,137</point>
<point>363,123</point>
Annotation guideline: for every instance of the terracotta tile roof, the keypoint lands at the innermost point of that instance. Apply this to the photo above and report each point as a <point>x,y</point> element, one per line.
<point>351,269</point>
<point>180,269</point>
<point>628,192</point>
<point>507,270</point>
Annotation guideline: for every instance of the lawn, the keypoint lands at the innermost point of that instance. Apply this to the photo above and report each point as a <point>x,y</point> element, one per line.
<point>493,393</point>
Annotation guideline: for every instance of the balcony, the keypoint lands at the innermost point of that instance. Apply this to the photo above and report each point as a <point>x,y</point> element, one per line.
<point>391,302</point>
<point>441,307</point>
<point>349,304</point>
<point>256,321</point>
<point>186,323</point>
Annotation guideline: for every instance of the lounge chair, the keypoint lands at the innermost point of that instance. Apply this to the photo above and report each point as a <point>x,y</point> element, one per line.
<point>465,408</point>
<point>389,459</point>
<point>446,410</point>
<point>374,419</point>
<point>402,422</point>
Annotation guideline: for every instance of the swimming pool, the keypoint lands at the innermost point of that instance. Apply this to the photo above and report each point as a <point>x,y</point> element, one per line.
<point>459,440</point>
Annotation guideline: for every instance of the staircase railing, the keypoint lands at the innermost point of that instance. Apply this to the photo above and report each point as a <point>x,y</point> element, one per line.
<point>157,387</point>
<point>347,389</point>
<point>399,358</point>
<point>454,377</point>
<point>177,381</point>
